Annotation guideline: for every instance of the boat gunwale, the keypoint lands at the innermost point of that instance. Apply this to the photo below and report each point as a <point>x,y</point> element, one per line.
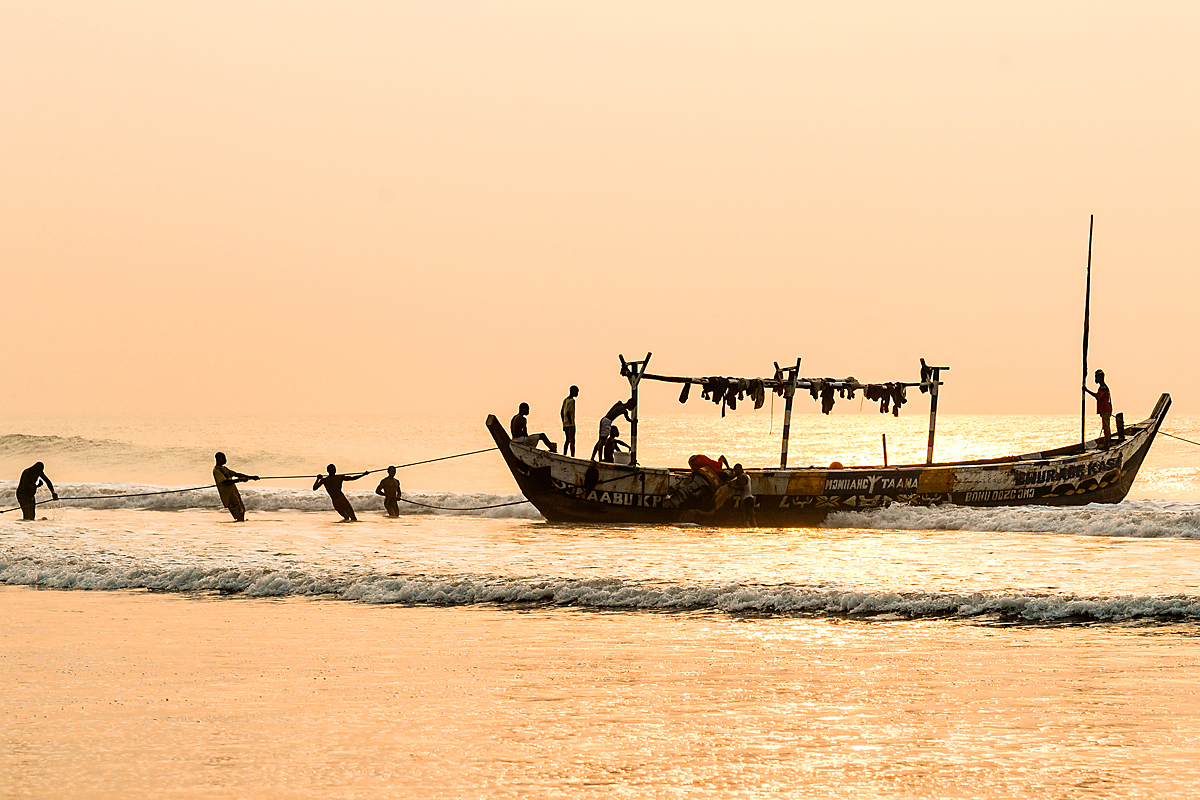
<point>1073,451</point>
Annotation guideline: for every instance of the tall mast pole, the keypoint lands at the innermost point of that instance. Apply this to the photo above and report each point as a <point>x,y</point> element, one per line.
<point>1087,311</point>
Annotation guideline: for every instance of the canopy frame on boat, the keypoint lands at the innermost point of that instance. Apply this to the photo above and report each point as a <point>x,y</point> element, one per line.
<point>788,379</point>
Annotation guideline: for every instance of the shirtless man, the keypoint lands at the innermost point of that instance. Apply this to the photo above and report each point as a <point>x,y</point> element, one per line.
<point>333,484</point>
<point>612,444</point>
<point>619,409</point>
<point>389,490</point>
<point>31,479</point>
<point>519,427</point>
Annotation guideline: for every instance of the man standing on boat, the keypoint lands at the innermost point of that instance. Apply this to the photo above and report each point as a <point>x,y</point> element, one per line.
<point>568,421</point>
<point>1103,404</point>
<point>519,427</point>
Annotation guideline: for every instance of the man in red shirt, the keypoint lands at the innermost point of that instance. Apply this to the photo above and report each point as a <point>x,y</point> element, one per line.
<point>1103,404</point>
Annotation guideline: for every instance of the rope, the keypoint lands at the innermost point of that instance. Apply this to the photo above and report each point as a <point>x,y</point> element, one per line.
<point>1180,438</point>
<point>383,469</point>
<point>471,508</point>
<point>431,460</point>
<point>114,496</point>
<point>284,477</point>
<point>142,494</point>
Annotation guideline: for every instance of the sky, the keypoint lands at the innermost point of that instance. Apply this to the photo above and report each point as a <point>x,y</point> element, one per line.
<point>344,208</point>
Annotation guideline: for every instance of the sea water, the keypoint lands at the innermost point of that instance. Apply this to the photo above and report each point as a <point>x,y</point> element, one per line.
<point>898,652</point>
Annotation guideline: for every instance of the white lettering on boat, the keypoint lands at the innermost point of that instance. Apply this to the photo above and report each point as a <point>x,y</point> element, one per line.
<point>1065,473</point>
<point>872,483</point>
<point>998,495</point>
<point>609,497</point>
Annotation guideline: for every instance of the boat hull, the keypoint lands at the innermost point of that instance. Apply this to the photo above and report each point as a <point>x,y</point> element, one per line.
<point>573,490</point>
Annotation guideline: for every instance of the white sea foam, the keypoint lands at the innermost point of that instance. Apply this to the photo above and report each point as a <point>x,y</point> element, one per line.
<point>164,498</point>
<point>1143,519</point>
<point>598,593</point>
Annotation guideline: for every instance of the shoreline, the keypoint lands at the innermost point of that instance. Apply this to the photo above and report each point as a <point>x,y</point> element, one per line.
<point>119,693</point>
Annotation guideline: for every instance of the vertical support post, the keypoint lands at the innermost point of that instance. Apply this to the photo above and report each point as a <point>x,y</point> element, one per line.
<point>884,449</point>
<point>633,384</point>
<point>933,396</point>
<point>788,394</point>
<point>633,370</point>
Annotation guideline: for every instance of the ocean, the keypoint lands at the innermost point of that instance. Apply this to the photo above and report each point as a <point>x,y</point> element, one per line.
<point>152,644</point>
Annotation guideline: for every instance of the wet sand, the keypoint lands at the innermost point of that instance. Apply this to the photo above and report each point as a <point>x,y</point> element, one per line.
<point>125,693</point>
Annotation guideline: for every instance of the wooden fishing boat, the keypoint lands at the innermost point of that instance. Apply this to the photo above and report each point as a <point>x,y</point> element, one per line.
<point>577,490</point>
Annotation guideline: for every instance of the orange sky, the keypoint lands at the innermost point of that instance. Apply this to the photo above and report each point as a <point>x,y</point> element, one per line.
<point>380,207</point>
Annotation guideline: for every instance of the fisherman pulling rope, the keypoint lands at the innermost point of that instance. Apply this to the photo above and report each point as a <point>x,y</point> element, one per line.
<point>37,477</point>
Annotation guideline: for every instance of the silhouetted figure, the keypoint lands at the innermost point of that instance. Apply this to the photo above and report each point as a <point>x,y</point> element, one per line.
<point>743,493</point>
<point>333,484</point>
<point>227,480</point>
<point>568,421</point>
<point>27,488</point>
<point>619,409</point>
<point>519,426</point>
<point>612,444</point>
<point>389,490</point>
<point>1103,404</point>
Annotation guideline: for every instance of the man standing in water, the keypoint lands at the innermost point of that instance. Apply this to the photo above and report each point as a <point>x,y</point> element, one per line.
<point>389,490</point>
<point>1103,404</point>
<point>31,479</point>
<point>743,492</point>
<point>227,480</point>
<point>568,421</point>
<point>333,484</point>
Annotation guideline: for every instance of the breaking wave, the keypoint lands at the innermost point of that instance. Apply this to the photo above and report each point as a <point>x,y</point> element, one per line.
<point>596,593</point>
<point>20,444</point>
<point>1136,519</point>
<point>1140,519</point>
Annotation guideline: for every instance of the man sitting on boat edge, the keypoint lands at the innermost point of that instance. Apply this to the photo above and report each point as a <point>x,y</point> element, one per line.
<point>519,427</point>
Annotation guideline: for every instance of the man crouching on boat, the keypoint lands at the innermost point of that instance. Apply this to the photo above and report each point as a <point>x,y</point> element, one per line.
<point>520,431</point>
